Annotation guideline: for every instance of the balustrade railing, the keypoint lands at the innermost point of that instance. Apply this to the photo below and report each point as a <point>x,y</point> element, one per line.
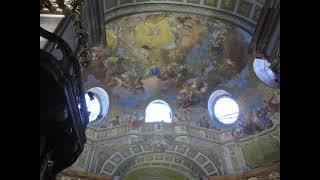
<point>174,130</point>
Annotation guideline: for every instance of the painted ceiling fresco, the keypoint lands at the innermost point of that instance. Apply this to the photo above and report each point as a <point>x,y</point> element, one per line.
<point>181,59</point>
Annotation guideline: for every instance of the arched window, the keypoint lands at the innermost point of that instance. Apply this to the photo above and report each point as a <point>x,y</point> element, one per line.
<point>223,109</point>
<point>157,111</point>
<point>97,101</point>
<point>264,73</point>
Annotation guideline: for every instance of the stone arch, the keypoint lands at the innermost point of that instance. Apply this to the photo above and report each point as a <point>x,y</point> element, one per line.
<point>200,163</point>
<point>162,160</point>
<point>160,167</point>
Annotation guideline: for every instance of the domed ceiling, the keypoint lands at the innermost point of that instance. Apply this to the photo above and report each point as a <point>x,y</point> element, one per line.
<point>181,59</point>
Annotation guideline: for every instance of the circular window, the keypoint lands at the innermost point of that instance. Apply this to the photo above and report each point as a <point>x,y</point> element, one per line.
<point>97,101</point>
<point>262,69</point>
<point>226,110</point>
<point>157,111</point>
<point>223,109</point>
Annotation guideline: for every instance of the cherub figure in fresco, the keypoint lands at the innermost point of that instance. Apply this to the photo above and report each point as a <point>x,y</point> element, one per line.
<point>272,107</point>
<point>191,92</point>
<point>131,81</point>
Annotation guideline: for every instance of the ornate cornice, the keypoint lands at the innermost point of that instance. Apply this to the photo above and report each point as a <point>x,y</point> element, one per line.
<point>133,8</point>
<point>118,164</point>
<point>178,130</point>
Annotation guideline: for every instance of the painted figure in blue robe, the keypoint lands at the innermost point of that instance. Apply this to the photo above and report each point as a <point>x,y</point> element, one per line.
<point>155,71</point>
